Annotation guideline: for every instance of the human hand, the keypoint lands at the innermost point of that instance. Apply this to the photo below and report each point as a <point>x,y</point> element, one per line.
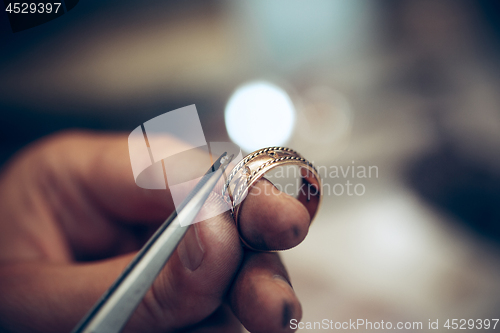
<point>72,218</point>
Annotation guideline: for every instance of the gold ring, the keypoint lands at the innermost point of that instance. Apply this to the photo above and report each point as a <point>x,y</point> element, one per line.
<point>255,165</point>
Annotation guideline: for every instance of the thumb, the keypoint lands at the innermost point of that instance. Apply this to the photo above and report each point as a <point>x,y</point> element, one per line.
<point>195,280</point>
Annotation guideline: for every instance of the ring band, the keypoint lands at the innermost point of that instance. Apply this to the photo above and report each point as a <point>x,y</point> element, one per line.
<point>255,165</point>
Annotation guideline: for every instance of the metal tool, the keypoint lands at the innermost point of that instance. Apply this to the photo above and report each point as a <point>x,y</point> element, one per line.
<point>116,306</point>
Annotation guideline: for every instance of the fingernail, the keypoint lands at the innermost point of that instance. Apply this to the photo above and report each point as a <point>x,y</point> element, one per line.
<point>190,249</point>
<point>283,279</point>
<point>287,314</point>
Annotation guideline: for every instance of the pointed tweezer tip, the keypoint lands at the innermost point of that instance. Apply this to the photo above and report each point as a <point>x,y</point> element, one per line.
<point>222,161</point>
<point>225,160</point>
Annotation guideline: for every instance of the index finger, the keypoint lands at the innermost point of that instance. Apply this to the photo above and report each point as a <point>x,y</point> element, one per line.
<point>98,166</point>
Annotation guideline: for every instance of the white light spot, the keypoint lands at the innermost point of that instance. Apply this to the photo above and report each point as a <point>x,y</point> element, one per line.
<point>259,114</point>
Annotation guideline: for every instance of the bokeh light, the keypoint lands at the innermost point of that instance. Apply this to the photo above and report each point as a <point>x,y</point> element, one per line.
<point>259,114</point>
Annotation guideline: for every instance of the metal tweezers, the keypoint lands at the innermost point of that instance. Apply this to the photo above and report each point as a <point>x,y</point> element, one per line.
<point>112,311</point>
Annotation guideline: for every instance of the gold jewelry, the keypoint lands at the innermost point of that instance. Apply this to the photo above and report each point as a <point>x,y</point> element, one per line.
<point>255,165</point>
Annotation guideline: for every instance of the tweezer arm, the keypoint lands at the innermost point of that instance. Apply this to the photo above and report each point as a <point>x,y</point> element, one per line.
<point>114,309</point>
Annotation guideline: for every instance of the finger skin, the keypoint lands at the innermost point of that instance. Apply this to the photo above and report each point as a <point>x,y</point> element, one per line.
<point>262,296</point>
<point>43,297</point>
<point>221,321</point>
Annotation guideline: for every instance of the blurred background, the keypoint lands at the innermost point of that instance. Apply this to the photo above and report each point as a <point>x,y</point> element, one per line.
<point>410,87</point>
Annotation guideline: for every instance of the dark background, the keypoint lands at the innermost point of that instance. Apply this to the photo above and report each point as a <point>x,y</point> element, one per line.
<point>421,79</point>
